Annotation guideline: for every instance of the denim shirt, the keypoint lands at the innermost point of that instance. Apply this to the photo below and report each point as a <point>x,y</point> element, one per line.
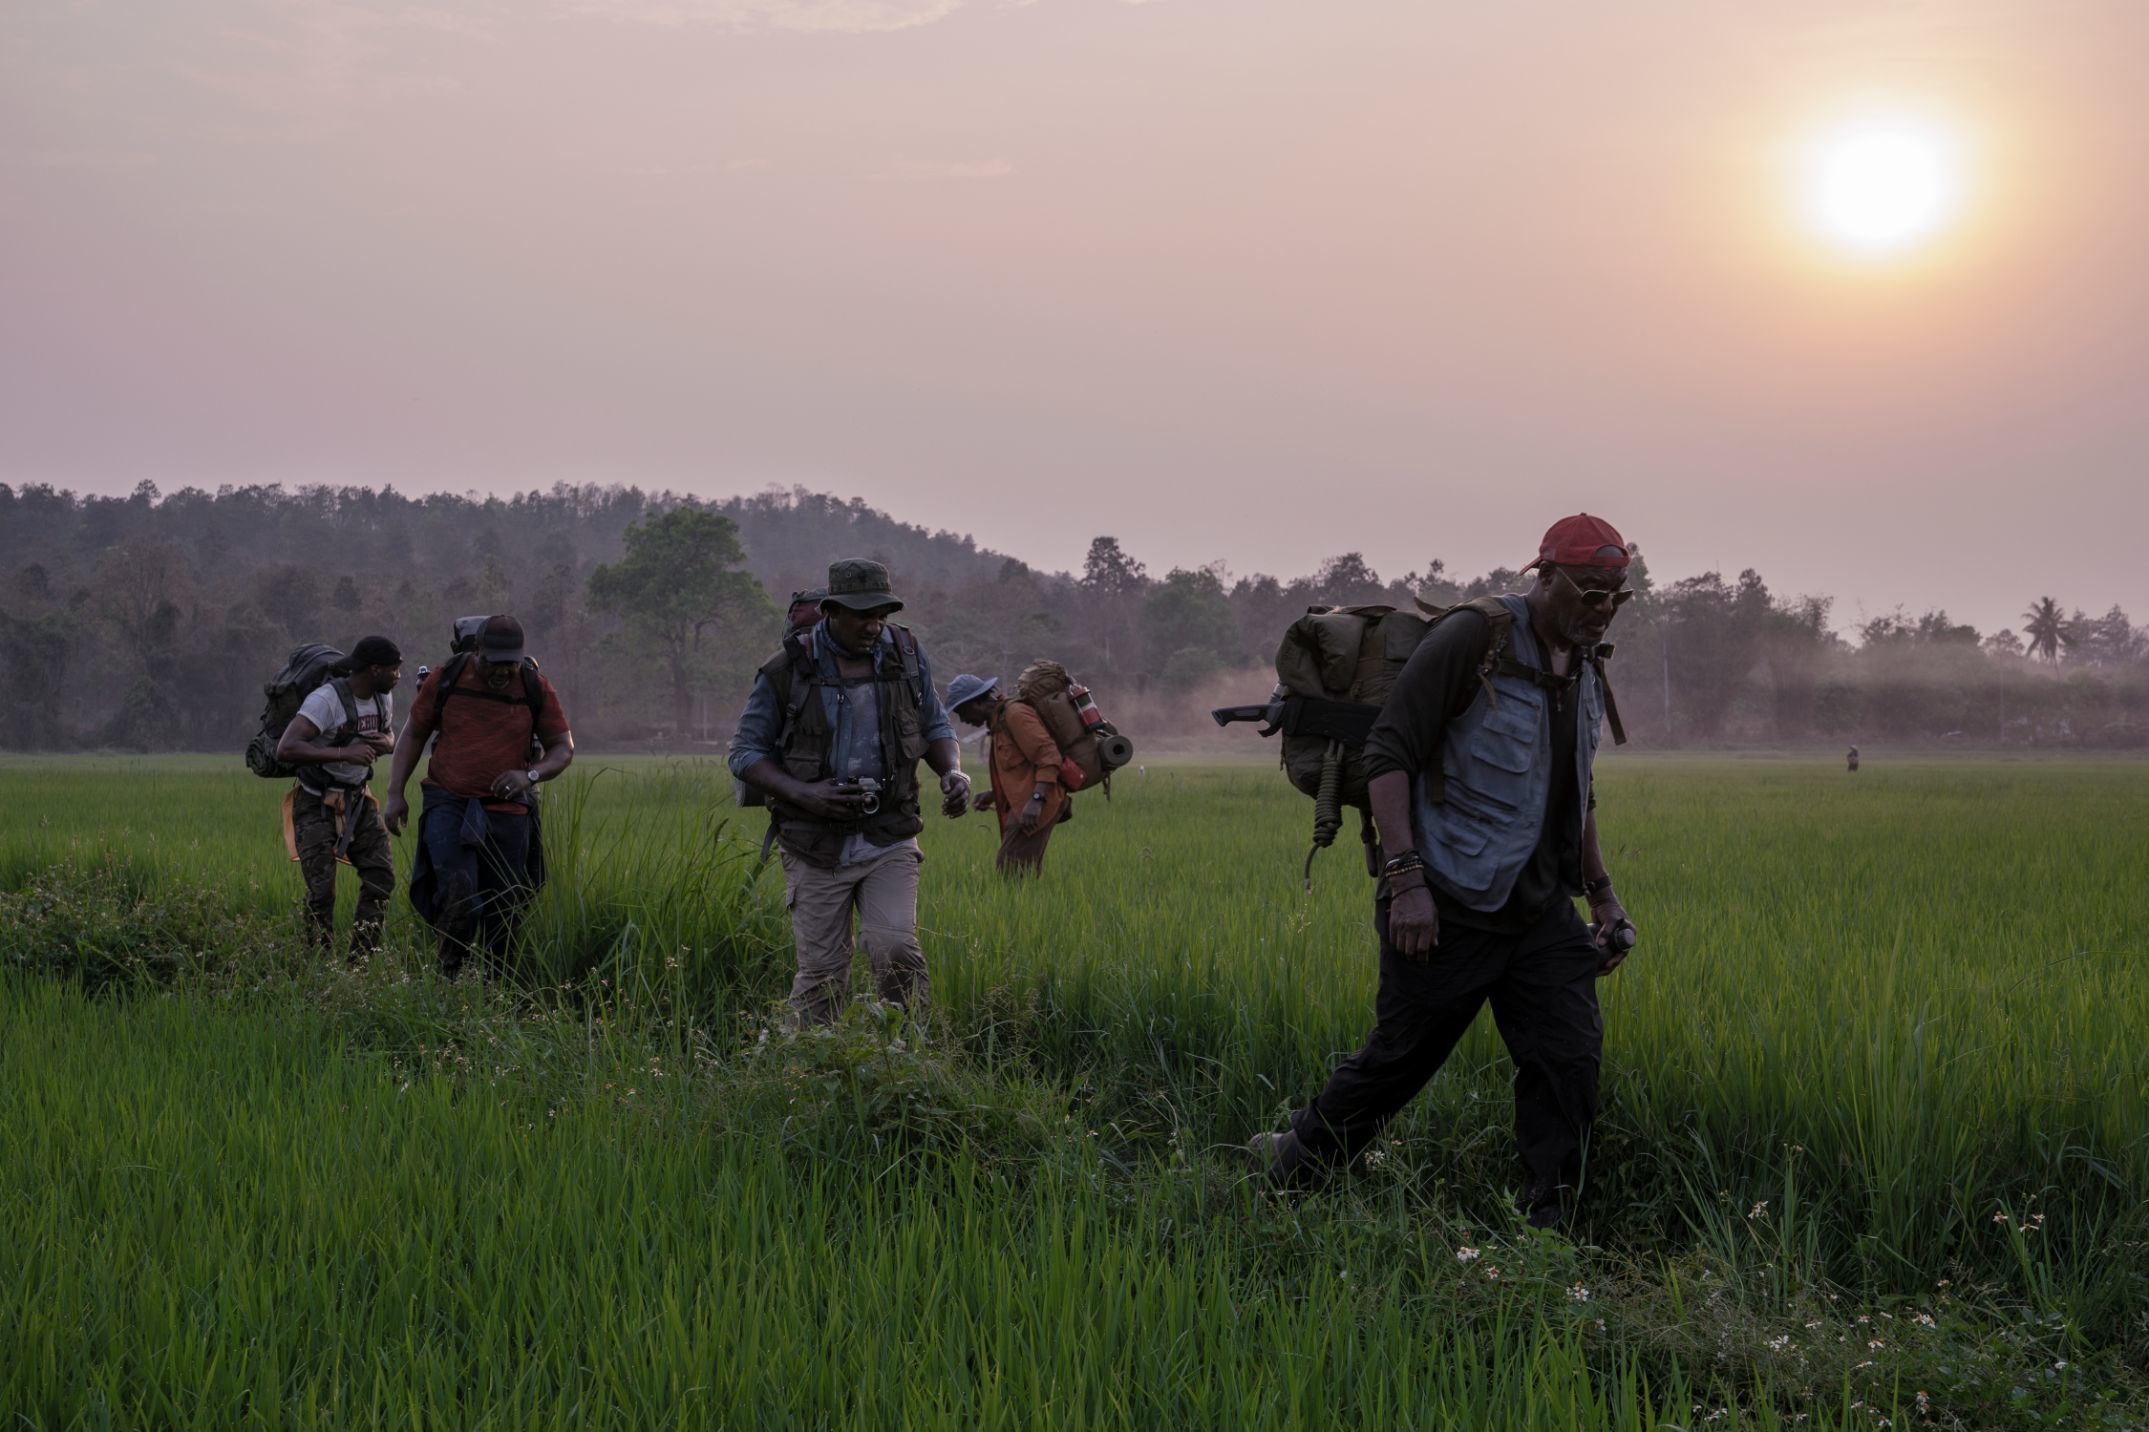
<point>853,716</point>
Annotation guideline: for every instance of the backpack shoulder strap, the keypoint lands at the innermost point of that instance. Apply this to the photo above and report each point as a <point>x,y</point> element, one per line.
<point>1600,659</point>
<point>451,677</point>
<point>906,646</point>
<point>1499,619</point>
<point>533,689</point>
<point>792,674</point>
<point>341,685</point>
<point>1501,626</point>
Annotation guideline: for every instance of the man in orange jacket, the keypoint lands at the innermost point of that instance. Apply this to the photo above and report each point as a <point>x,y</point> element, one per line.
<point>1025,769</point>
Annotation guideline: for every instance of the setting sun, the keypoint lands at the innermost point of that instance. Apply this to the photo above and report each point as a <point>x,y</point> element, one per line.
<point>1882,189</point>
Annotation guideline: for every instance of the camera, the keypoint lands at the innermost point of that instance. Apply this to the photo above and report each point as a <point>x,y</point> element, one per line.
<point>870,789</point>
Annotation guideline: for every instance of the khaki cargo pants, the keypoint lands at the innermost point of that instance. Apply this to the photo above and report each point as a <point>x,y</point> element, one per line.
<point>883,894</point>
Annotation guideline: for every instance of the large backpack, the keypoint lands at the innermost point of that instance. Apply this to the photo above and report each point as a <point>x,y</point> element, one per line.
<point>1091,747</point>
<point>1334,670</point>
<point>303,671</point>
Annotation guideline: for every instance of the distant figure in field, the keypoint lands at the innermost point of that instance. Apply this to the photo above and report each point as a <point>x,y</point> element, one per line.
<point>1026,791</point>
<point>833,732</point>
<point>1851,761</point>
<point>1480,767</point>
<point>342,728</point>
<point>501,732</point>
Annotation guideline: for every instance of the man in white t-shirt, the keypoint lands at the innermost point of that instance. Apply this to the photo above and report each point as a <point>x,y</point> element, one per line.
<point>341,729</point>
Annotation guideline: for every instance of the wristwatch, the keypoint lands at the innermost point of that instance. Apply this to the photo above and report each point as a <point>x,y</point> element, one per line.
<point>530,776</point>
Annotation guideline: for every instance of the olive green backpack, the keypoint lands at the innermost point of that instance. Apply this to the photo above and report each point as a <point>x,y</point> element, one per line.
<point>1334,670</point>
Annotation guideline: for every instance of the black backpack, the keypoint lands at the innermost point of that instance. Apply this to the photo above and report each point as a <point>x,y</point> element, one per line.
<point>304,670</point>
<point>462,646</point>
<point>533,691</point>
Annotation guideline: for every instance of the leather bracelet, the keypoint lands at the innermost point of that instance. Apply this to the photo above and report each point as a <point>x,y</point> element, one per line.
<point>1591,889</point>
<point>1406,860</point>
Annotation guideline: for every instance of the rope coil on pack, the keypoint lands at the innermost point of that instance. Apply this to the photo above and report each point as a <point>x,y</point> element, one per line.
<point>1327,806</point>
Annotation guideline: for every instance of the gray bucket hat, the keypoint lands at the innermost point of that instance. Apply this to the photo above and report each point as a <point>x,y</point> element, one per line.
<point>966,688</point>
<point>860,585</point>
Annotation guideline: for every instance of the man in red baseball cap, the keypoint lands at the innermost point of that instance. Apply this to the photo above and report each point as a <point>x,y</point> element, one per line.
<point>1479,771</point>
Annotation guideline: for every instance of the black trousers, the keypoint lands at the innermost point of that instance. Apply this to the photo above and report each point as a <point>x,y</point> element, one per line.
<point>1543,987</point>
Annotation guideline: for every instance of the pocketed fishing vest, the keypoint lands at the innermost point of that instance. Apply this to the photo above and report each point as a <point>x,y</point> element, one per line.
<point>806,746</point>
<point>1480,812</point>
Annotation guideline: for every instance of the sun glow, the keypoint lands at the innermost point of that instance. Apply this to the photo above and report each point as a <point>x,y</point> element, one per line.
<point>1884,187</point>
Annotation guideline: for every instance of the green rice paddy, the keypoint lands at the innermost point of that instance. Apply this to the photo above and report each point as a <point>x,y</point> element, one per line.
<point>1875,1144</point>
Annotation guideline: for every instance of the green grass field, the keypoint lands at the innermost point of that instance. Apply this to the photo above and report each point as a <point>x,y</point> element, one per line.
<point>1876,1126</point>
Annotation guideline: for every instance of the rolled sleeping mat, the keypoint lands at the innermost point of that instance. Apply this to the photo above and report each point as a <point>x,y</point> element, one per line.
<point>1114,751</point>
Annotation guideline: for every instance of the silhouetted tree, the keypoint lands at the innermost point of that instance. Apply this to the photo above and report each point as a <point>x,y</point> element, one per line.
<point>2045,624</point>
<point>680,577</point>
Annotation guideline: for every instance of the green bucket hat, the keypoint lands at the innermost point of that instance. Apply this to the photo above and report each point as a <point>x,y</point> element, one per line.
<point>860,585</point>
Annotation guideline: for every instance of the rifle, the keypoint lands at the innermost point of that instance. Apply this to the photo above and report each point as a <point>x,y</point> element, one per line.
<point>1346,721</point>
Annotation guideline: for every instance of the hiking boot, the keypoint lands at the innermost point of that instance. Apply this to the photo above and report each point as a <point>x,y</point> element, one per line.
<point>1276,1159</point>
<point>1545,1202</point>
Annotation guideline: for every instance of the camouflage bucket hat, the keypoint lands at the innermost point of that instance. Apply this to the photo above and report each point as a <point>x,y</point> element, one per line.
<point>860,585</point>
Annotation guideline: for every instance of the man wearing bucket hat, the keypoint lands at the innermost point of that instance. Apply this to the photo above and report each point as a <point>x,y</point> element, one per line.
<point>1480,776</point>
<point>832,735</point>
<point>1026,790</point>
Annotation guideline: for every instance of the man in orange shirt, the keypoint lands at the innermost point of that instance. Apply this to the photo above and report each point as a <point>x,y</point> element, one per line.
<point>1025,768</point>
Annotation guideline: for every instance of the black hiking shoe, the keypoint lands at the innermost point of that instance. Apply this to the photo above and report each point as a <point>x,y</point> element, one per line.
<point>1277,1160</point>
<point>1545,1203</point>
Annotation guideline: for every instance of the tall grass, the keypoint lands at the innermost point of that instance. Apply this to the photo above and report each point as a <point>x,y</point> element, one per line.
<point>1875,1060</point>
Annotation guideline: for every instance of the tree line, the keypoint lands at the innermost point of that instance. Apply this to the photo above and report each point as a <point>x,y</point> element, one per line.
<point>150,621</point>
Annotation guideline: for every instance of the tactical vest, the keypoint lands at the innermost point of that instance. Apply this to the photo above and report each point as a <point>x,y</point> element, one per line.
<point>806,745</point>
<point>1480,813</point>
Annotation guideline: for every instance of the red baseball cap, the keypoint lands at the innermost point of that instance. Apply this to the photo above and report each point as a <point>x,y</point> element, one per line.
<point>1583,541</point>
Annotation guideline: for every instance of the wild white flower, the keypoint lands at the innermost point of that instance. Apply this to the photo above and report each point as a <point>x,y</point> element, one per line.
<point>1465,1255</point>
<point>1759,1210</point>
<point>1779,1343</point>
<point>1578,1293</point>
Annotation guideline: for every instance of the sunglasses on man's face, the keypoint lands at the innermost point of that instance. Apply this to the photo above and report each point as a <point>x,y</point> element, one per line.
<point>1598,598</point>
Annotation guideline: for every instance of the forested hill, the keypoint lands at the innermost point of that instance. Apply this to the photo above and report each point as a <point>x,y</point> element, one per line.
<point>150,622</point>
<point>365,530</point>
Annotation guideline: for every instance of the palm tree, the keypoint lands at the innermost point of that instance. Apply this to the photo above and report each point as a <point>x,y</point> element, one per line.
<point>2046,627</point>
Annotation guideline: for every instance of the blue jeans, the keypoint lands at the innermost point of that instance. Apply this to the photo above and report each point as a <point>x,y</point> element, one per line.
<point>480,872</point>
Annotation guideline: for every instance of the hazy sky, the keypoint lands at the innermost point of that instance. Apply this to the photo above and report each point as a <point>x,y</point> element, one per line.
<point>1238,279</point>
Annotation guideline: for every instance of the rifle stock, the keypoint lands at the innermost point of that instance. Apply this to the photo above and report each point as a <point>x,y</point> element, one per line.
<point>1225,715</point>
<point>1346,721</point>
